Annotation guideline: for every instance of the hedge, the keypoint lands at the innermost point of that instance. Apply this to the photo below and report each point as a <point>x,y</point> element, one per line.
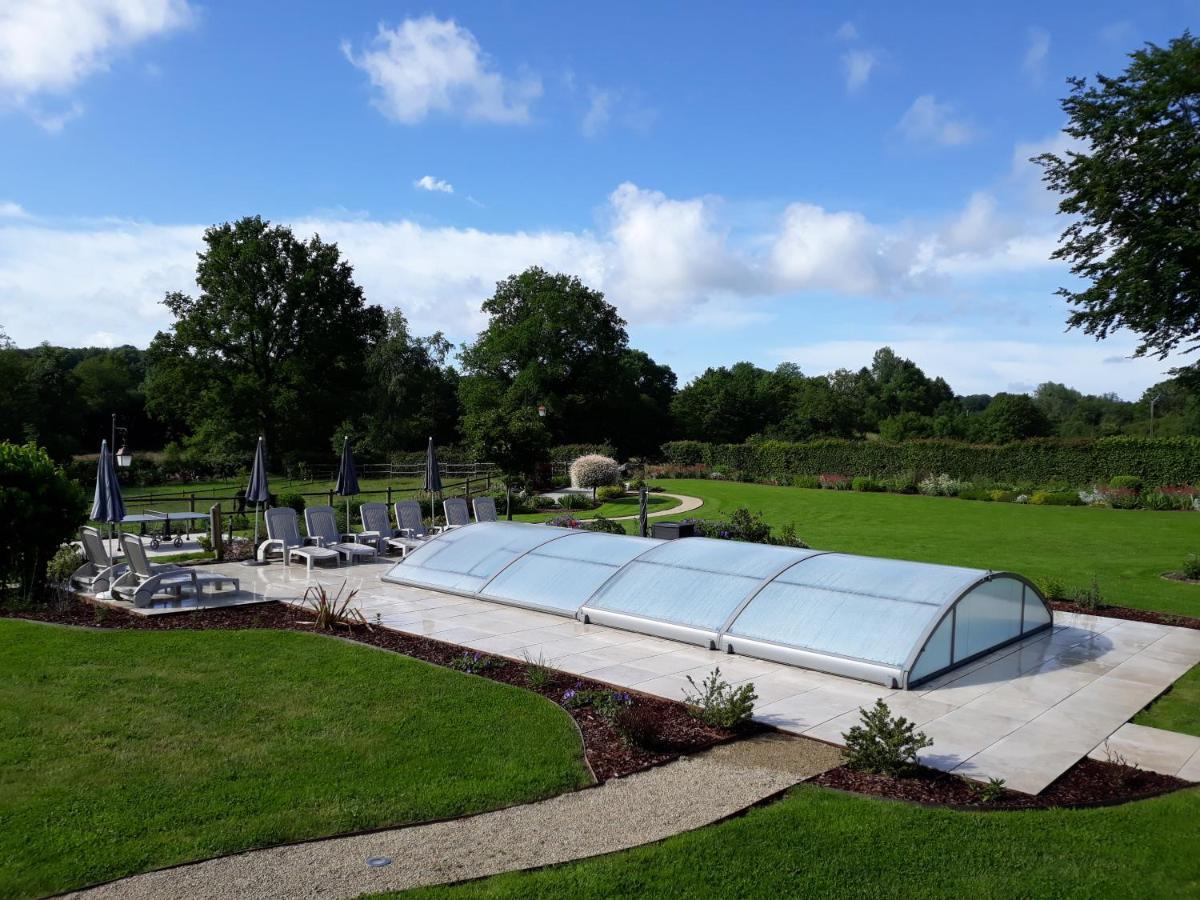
<point>1078,462</point>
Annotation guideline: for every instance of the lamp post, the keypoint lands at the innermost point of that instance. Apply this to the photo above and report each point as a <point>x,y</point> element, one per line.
<point>1153,402</point>
<point>123,457</point>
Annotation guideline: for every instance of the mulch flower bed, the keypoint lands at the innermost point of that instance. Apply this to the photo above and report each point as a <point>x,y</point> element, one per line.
<point>674,731</point>
<point>1089,782</point>
<point>1132,615</point>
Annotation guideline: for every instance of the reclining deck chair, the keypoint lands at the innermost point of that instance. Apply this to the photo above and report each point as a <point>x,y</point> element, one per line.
<point>96,575</point>
<point>321,522</point>
<point>485,509</point>
<point>376,527</point>
<point>142,581</point>
<point>283,537</point>
<point>410,523</point>
<point>457,512</point>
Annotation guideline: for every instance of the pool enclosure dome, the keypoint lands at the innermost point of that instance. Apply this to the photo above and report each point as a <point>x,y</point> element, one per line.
<point>887,621</point>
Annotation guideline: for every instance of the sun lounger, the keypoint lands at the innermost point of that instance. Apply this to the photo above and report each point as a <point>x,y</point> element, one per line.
<point>321,522</point>
<point>485,509</point>
<point>283,537</point>
<point>377,527</point>
<point>142,582</point>
<point>457,512</point>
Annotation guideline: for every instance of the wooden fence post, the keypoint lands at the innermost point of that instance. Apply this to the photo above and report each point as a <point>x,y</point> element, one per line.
<point>214,529</point>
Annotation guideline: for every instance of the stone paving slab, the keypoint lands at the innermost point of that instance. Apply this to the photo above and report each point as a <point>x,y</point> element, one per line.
<point>1165,752</point>
<point>1025,713</point>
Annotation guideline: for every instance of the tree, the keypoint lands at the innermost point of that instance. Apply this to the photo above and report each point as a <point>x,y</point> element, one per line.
<point>417,393</point>
<point>895,385</point>
<point>1010,417</point>
<point>723,405</point>
<point>552,341</point>
<point>906,426</point>
<point>1133,187</point>
<point>274,344</point>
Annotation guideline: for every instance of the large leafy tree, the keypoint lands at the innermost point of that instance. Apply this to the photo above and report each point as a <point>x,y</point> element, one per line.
<point>274,343</point>
<point>552,341</point>
<point>1133,190</point>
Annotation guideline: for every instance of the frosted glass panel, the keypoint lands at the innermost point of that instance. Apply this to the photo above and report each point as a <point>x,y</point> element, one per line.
<point>989,615</point>
<point>1036,614</point>
<point>914,582</point>
<point>936,655</point>
<point>857,626</point>
<point>466,558</point>
<point>728,557</point>
<point>561,575</point>
<point>682,596</point>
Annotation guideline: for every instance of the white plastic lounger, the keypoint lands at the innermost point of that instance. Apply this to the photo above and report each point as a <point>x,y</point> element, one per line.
<point>410,523</point>
<point>141,583</point>
<point>283,537</point>
<point>457,512</point>
<point>485,509</point>
<point>321,522</point>
<point>377,527</point>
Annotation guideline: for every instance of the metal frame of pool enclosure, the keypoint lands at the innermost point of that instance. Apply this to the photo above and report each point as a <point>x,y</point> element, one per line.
<point>886,621</point>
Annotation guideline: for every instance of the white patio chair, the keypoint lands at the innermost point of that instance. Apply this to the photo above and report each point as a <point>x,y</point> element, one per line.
<point>283,537</point>
<point>321,522</point>
<point>141,582</point>
<point>457,513</point>
<point>377,528</point>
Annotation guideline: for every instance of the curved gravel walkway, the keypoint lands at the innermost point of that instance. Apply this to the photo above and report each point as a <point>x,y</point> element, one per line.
<point>617,815</point>
<point>686,504</point>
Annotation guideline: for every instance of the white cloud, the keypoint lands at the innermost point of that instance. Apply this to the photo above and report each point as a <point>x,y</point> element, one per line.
<point>858,65</point>
<point>47,47</point>
<point>10,210</point>
<point>1034,61</point>
<point>847,31</point>
<point>429,183</point>
<point>598,114</point>
<point>430,65</point>
<point>930,122</point>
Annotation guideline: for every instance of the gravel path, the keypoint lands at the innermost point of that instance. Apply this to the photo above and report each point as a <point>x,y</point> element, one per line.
<point>619,814</point>
<point>686,504</point>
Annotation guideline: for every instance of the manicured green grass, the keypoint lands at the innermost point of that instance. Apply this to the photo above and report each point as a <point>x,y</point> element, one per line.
<point>622,506</point>
<point>818,843</point>
<point>1126,550</point>
<point>130,750</point>
<point>1178,709</point>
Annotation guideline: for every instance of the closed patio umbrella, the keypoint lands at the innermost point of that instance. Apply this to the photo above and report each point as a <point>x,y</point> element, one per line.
<point>107,505</point>
<point>347,479</point>
<point>433,478</point>
<point>257,491</point>
<point>643,516</point>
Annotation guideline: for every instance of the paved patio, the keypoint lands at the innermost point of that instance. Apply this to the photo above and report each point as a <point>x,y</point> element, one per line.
<point>1026,713</point>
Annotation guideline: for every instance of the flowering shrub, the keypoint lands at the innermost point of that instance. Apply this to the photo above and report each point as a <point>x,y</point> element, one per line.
<point>606,703</point>
<point>698,470</point>
<point>743,525</point>
<point>473,663</point>
<point>942,486</point>
<point>835,482</point>
<point>1115,496</point>
<point>716,702</point>
<point>594,471</point>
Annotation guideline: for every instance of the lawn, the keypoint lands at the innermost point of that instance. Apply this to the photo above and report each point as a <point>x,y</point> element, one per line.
<point>622,506</point>
<point>1178,709</point>
<point>124,751</point>
<point>1126,550</point>
<point>818,843</point>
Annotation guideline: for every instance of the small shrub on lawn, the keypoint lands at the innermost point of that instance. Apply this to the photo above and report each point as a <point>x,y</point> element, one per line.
<point>942,486</point>
<point>63,564</point>
<point>539,675</point>
<point>1191,567</point>
<point>883,744</point>
<point>606,703</point>
<point>1089,597</point>
<point>637,727</point>
<point>610,492</point>
<point>607,526</point>
<point>331,611</point>
<point>990,792</point>
<point>716,702</point>
<point>1000,496</point>
<point>540,501</point>
<point>295,501</point>
<point>473,662</point>
<point>1056,498</point>
<point>806,481</point>
<point>867,485</point>
<point>594,471</point>
<point>576,501</point>
<point>1132,482</point>
<point>1053,590</point>
<point>835,482</point>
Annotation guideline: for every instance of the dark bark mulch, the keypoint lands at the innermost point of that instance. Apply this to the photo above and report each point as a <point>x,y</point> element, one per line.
<point>1089,782</point>
<point>1132,615</point>
<point>672,730</point>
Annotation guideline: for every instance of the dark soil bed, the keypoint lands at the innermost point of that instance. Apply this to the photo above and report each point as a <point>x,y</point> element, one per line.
<point>1179,576</point>
<point>1089,782</point>
<point>673,730</point>
<point>1132,615</point>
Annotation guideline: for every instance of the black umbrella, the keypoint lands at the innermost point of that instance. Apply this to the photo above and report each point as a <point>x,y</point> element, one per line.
<point>257,491</point>
<point>347,479</point>
<point>433,477</point>
<point>107,505</point>
<point>643,517</point>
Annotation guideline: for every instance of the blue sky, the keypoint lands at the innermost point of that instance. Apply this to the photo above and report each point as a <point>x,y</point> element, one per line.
<point>801,182</point>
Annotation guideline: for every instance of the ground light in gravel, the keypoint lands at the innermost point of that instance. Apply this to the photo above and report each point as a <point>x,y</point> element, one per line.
<point>122,751</point>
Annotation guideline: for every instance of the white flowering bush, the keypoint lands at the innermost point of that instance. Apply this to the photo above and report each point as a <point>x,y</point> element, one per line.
<point>594,471</point>
<point>942,486</point>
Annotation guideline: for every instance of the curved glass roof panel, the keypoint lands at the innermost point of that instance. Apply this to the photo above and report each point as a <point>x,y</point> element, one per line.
<point>698,582</point>
<point>561,575</point>
<point>852,606</point>
<point>465,559</point>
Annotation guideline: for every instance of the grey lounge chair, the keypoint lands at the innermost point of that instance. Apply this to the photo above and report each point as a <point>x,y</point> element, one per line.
<point>96,575</point>
<point>321,523</point>
<point>376,527</point>
<point>485,509</point>
<point>410,522</point>
<point>457,512</point>
<point>141,583</point>
<point>283,537</point>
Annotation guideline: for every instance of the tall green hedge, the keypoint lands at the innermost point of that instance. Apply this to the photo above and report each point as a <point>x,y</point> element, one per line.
<point>1174,460</point>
